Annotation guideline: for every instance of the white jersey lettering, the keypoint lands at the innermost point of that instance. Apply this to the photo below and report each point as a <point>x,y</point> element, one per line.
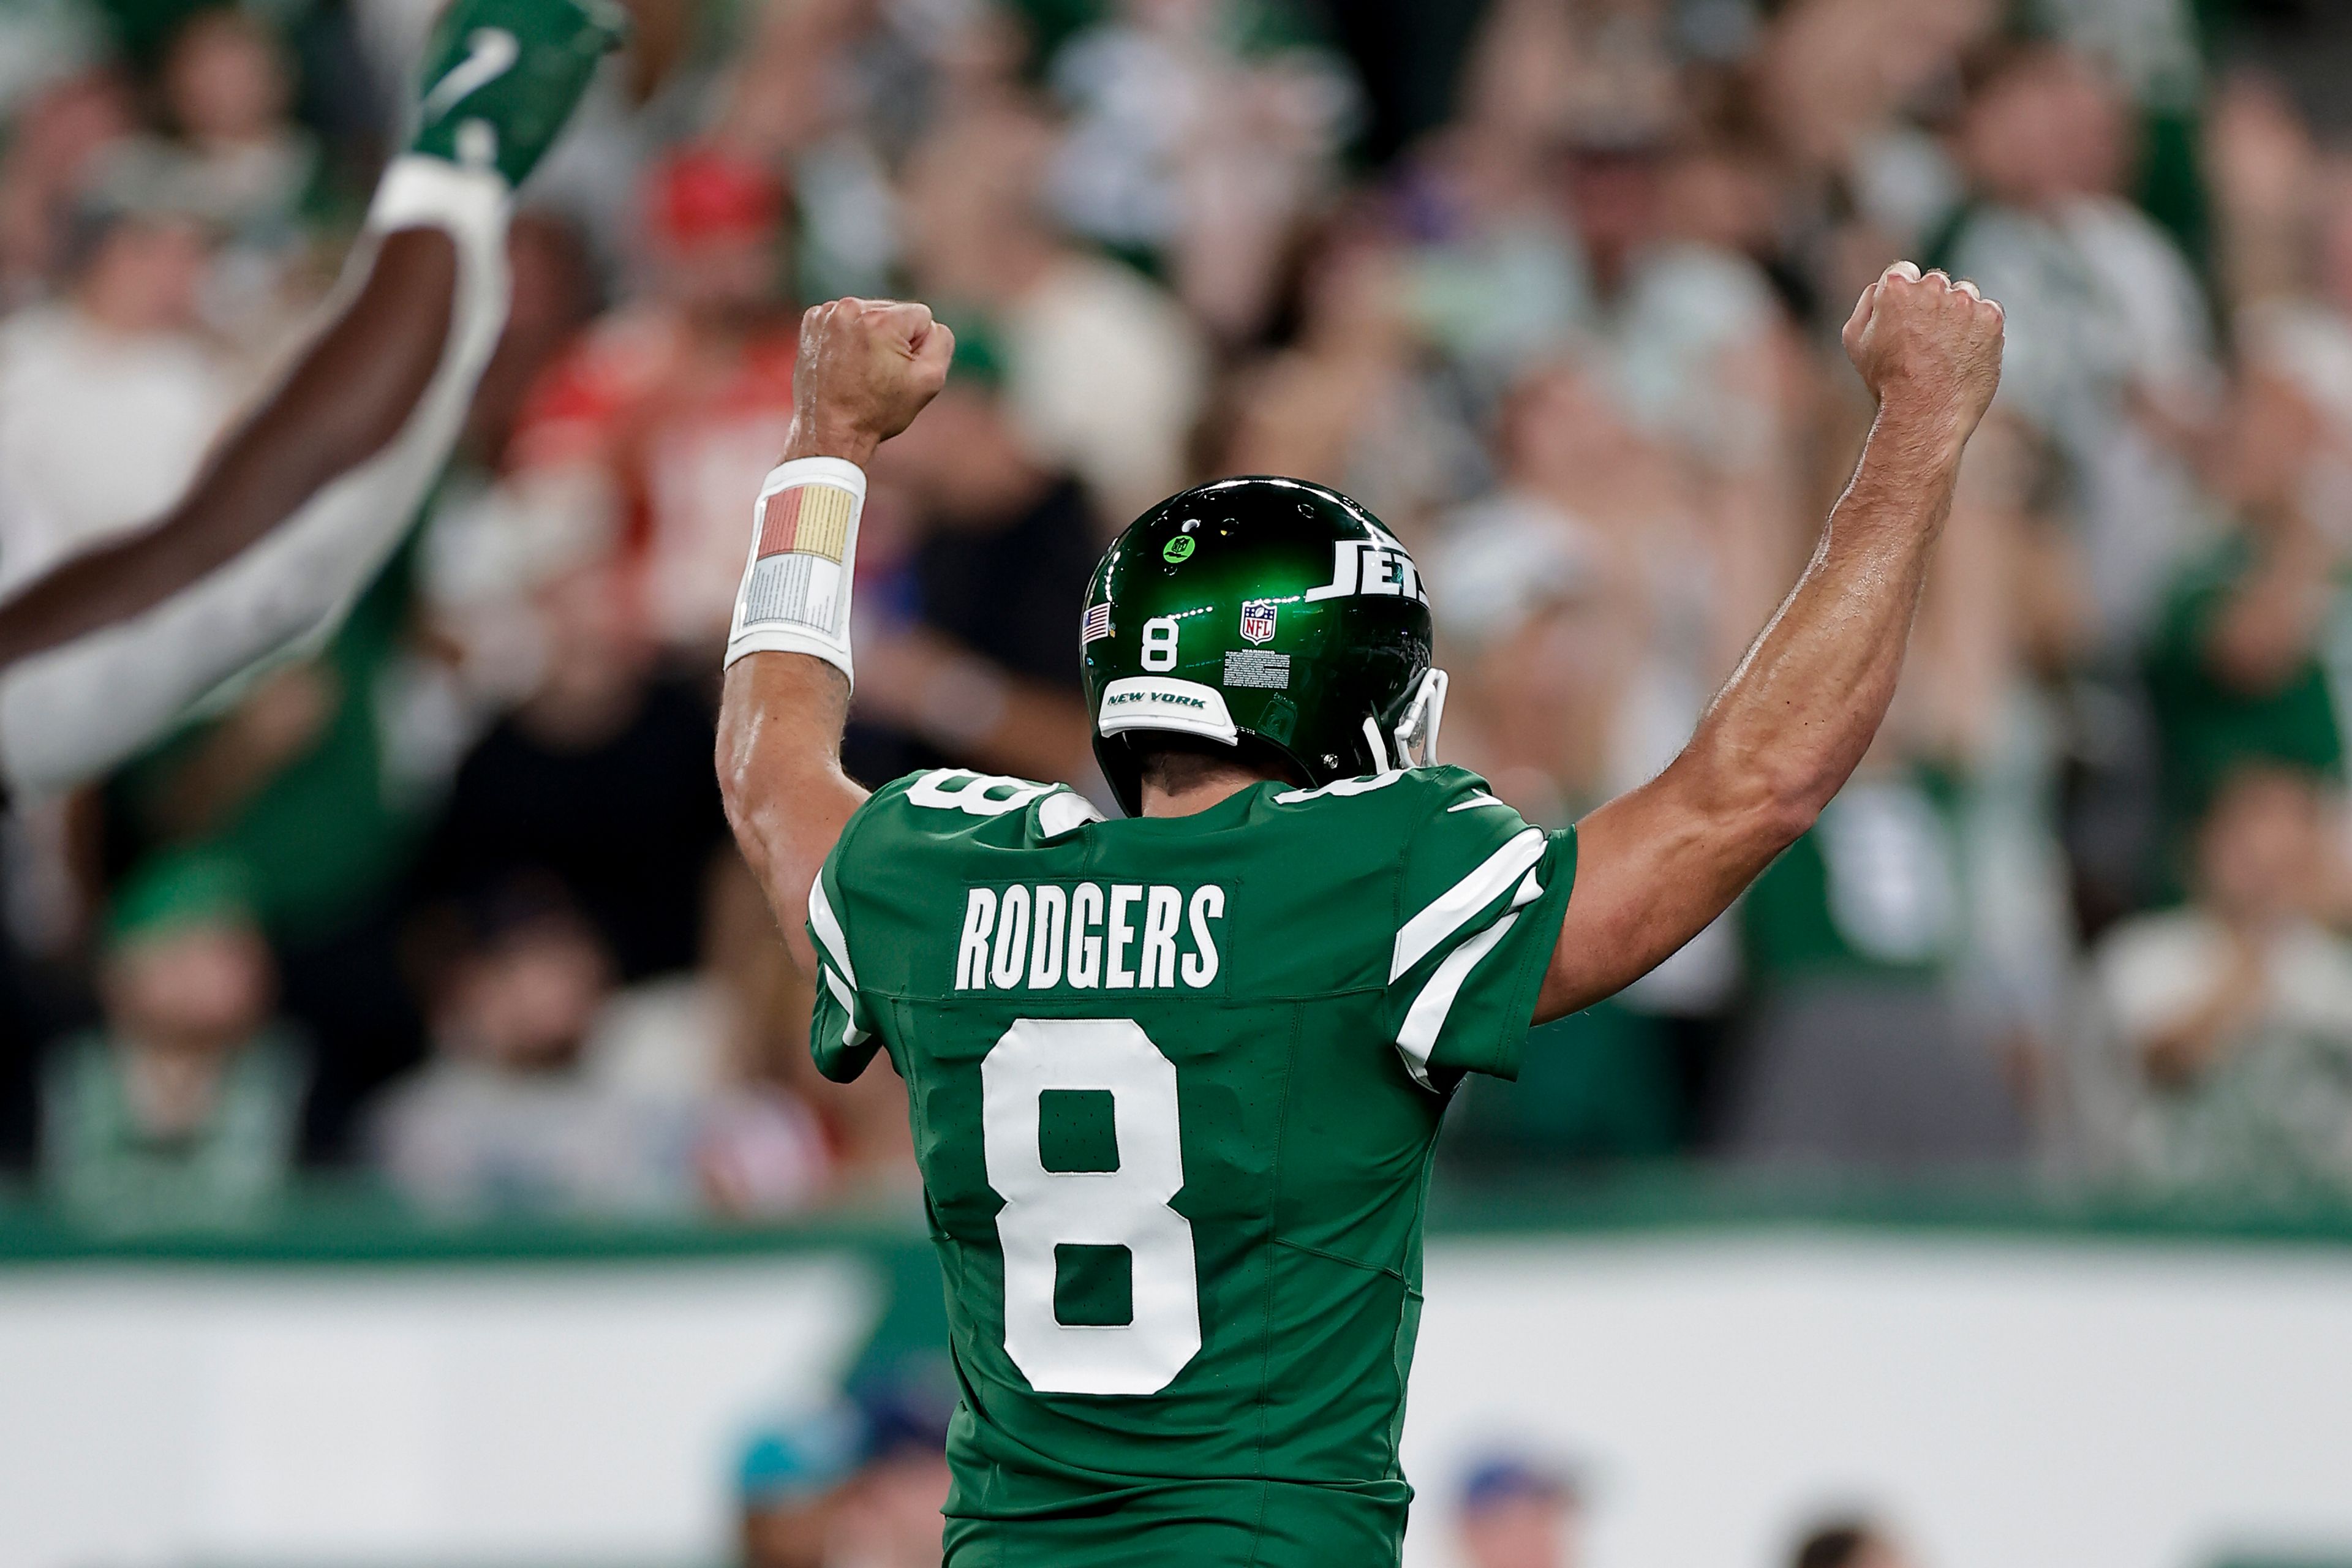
<point>1127,937</point>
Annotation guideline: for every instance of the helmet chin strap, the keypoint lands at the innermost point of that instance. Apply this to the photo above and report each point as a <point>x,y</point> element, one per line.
<point>1414,744</point>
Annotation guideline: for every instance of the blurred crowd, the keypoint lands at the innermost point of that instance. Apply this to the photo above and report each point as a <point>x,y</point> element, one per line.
<point>1554,286</point>
<point>856,1482</point>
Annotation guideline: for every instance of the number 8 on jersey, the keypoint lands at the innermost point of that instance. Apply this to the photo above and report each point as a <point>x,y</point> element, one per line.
<point>1127,1206</point>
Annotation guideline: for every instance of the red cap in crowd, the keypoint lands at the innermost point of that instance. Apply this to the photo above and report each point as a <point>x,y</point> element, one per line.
<point>701,195</point>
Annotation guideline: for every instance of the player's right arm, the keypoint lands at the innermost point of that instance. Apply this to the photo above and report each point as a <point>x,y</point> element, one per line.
<point>305,500</point>
<point>342,403</point>
<point>866,368</point>
<point>1656,865</point>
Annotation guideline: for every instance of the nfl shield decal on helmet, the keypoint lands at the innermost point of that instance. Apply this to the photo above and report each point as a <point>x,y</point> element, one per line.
<point>1257,620</point>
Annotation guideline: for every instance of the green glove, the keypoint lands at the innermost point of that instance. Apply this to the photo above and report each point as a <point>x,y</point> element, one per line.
<point>503,76</point>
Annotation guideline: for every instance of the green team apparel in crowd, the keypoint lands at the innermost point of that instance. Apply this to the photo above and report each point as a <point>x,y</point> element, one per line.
<point>1175,1082</point>
<point>1874,888</point>
<point>1174,1086</point>
<point>2207,727</point>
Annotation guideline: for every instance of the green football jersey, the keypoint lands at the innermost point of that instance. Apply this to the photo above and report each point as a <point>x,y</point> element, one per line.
<point>1174,1084</point>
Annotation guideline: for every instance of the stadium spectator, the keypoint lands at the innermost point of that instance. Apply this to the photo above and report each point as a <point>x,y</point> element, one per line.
<point>726,1041</point>
<point>600,777</point>
<point>1490,283</point>
<point>984,669</point>
<point>519,1112</point>
<point>1849,1543</point>
<point>2110,359</point>
<point>789,1486</point>
<point>2241,665</point>
<point>1104,373</point>
<point>1687,331</point>
<point>227,92</point>
<point>1850,91</point>
<point>771,1137</point>
<point>1857,1053</point>
<point>1351,402</point>
<point>1201,134</point>
<point>184,1107</point>
<point>889,1515</point>
<point>236,157</point>
<point>1590,513</point>
<point>2231,1017</point>
<point>669,412</point>
<point>1515,1513</point>
<point>56,141</point>
<point>1589,607</point>
<point>1567,620</point>
<point>120,348</point>
<point>320,784</point>
<point>838,94</point>
<point>857,1483</point>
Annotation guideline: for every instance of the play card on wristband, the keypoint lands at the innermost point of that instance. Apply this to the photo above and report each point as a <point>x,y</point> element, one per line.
<point>796,585</point>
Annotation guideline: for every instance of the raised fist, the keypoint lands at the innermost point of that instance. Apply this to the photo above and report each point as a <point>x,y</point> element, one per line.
<point>1928,347</point>
<point>866,368</point>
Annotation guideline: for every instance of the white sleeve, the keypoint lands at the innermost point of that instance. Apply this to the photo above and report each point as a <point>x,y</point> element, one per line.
<point>71,713</point>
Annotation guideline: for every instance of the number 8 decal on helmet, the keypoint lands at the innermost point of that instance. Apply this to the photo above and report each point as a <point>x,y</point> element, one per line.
<point>1159,634</point>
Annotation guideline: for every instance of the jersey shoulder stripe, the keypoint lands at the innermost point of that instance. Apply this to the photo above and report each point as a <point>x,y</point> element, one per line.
<point>943,803</point>
<point>1424,1022</point>
<point>834,966</point>
<point>1480,896</point>
<point>828,926</point>
<point>1456,907</point>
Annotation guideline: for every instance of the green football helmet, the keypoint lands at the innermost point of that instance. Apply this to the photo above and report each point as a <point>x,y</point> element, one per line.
<point>1268,615</point>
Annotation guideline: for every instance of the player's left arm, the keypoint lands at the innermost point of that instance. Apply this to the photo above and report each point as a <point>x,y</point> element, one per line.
<point>866,368</point>
<point>1655,866</point>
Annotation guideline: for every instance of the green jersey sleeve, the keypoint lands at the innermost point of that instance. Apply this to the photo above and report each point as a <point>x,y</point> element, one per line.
<point>841,1030</point>
<point>1481,896</point>
<point>896,881</point>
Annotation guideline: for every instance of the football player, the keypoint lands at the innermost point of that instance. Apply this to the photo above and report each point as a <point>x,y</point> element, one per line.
<point>304,501</point>
<point>1175,1080</point>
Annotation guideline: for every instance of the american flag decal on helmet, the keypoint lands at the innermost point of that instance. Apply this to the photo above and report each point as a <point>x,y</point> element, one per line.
<point>1097,625</point>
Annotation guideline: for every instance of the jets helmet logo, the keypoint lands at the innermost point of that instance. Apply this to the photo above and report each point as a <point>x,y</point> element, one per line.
<point>1257,620</point>
<point>1375,566</point>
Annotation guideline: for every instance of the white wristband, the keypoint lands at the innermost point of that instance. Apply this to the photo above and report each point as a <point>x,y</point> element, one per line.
<point>796,584</point>
<point>418,192</point>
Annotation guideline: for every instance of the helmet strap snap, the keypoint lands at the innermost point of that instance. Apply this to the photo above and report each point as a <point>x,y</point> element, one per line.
<point>1416,730</point>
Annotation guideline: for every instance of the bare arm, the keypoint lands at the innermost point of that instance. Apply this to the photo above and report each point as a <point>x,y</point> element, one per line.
<point>866,368</point>
<point>779,724</point>
<point>1655,866</point>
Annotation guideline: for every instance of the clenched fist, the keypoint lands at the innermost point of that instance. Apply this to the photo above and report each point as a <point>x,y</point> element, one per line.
<point>1928,348</point>
<point>866,368</point>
